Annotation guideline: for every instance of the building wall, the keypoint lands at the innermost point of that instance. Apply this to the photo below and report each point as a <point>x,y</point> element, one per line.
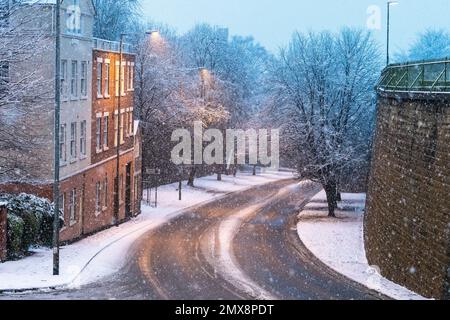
<point>77,108</point>
<point>107,104</point>
<point>88,219</point>
<point>3,226</point>
<point>408,205</point>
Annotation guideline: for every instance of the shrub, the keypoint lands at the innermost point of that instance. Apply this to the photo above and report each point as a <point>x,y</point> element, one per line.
<point>14,237</point>
<point>30,223</point>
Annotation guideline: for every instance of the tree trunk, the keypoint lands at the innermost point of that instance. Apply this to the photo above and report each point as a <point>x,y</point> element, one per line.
<point>331,191</point>
<point>254,170</point>
<point>219,176</point>
<point>235,172</point>
<point>191,177</point>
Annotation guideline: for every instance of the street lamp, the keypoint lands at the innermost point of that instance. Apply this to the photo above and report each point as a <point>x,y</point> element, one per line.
<point>389,4</point>
<point>57,111</point>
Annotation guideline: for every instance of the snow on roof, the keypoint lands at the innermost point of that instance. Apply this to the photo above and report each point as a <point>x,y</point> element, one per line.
<point>136,126</point>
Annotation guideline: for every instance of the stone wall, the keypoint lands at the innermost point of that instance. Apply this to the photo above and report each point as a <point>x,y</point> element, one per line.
<point>408,218</point>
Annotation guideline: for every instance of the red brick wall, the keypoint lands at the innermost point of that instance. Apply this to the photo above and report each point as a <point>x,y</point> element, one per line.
<point>43,191</point>
<point>109,105</point>
<point>3,226</point>
<point>89,221</point>
<point>408,216</point>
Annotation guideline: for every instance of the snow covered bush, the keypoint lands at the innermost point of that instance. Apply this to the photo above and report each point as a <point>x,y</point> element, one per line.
<point>30,223</point>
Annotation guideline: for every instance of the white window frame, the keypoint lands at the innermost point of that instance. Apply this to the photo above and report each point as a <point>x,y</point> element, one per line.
<point>122,78</point>
<point>116,78</point>
<point>98,133</point>
<point>107,78</point>
<point>83,79</point>
<point>73,207</point>
<point>74,79</point>
<point>73,141</point>
<point>116,127</point>
<point>105,194</point>
<point>83,132</point>
<point>122,127</point>
<point>105,131</point>
<point>98,198</point>
<point>63,81</point>
<point>131,76</point>
<point>99,78</point>
<point>62,143</point>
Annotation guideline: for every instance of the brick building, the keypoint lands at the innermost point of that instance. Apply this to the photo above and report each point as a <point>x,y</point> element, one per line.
<point>89,124</point>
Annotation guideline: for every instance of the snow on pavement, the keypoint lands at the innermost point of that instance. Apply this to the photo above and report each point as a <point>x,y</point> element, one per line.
<point>106,252</point>
<point>339,243</point>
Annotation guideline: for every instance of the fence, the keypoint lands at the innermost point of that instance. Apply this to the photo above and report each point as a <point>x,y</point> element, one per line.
<point>423,77</point>
<point>114,46</point>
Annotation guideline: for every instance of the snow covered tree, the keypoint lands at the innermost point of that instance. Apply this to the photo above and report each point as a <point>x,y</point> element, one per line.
<point>114,17</point>
<point>322,100</point>
<point>431,44</point>
<point>23,90</point>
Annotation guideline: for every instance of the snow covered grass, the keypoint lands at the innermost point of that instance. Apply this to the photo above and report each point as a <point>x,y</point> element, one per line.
<point>106,252</point>
<point>339,243</point>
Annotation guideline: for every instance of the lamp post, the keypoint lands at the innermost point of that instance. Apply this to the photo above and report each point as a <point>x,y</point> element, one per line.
<point>119,120</point>
<point>389,4</point>
<point>56,181</point>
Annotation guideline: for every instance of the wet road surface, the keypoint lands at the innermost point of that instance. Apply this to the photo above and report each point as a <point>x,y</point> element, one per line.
<point>243,246</point>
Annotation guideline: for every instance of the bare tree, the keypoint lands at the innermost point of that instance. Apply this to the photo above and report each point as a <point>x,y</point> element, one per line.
<point>323,94</point>
<point>23,91</point>
<point>114,17</point>
<point>431,44</point>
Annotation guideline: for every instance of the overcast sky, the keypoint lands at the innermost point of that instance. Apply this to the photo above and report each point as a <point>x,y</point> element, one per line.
<point>272,22</point>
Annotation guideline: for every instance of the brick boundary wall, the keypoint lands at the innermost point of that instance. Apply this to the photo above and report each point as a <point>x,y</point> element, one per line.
<point>3,230</point>
<point>408,205</point>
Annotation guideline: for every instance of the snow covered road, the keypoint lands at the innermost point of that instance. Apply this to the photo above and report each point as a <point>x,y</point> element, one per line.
<point>238,247</point>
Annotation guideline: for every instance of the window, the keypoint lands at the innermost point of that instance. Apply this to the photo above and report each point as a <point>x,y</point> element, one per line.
<point>107,80</point>
<point>117,78</point>
<point>122,189</point>
<point>83,138</point>
<point>4,75</point>
<point>73,206</point>
<point>122,124</point>
<point>62,143</point>
<point>64,78</point>
<point>74,79</point>
<point>105,193</point>
<point>73,140</point>
<point>105,131</point>
<point>98,196</point>
<point>116,129</point>
<point>122,79</point>
<point>99,134</point>
<point>73,18</point>
<point>130,123</point>
<point>130,78</point>
<point>99,79</point>
<point>62,207</point>
<point>83,79</point>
